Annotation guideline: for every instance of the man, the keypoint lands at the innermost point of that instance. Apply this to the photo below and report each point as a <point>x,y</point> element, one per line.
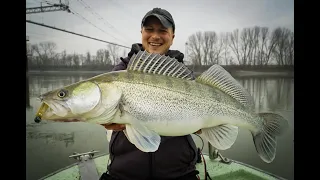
<point>176,157</point>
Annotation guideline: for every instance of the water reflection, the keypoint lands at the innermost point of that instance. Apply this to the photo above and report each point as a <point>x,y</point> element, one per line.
<point>272,94</point>
<point>41,84</point>
<point>51,137</point>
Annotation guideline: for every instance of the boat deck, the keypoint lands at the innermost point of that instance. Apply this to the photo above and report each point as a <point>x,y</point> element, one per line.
<point>216,170</point>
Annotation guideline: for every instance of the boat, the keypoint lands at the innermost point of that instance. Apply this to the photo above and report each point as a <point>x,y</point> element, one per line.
<point>211,166</point>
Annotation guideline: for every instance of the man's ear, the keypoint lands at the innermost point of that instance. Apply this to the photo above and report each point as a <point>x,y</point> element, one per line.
<point>173,35</point>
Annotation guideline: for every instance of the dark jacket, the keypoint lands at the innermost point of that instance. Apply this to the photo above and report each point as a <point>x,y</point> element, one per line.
<point>175,158</point>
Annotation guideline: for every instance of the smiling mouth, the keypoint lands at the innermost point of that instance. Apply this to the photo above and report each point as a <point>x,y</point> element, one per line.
<point>155,44</point>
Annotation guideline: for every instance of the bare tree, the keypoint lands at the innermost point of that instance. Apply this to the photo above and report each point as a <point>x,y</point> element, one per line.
<point>212,47</point>
<point>271,45</point>
<point>103,57</point>
<point>209,39</point>
<point>82,59</point>
<point>107,57</point>
<point>38,56</point>
<point>225,48</point>
<point>290,50</point>
<point>245,45</point>
<point>68,61</point>
<point>75,60</point>
<point>113,51</point>
<point>281,36</point>
<point>235,45</point>
<point>253,57</point>
<point>46,52</point>
<point>63,57</point>
<point>100,56</point>
<point>88,58</point>
<point>216,50</point>
<point>262,49</point>
<point>194,48</point>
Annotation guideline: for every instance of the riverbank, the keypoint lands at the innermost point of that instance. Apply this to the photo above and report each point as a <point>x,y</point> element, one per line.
<point>235,73</point>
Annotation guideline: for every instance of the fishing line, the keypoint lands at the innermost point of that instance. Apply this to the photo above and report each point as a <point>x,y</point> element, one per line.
<point>204,161</point>
<point>201,141</point>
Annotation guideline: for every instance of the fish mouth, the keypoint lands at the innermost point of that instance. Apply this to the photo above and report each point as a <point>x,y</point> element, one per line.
<point>48,112</point>
<point>42,109</point>
<point>67,120</point>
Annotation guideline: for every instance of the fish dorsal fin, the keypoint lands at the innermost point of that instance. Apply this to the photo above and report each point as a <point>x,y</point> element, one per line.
<point>218,77</point>
<point>153,63</point>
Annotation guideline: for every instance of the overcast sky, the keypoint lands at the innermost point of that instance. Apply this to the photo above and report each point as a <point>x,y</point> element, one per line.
<point>119,21</point>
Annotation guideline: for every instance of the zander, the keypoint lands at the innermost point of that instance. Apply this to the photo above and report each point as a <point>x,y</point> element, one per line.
<point>157,95</point>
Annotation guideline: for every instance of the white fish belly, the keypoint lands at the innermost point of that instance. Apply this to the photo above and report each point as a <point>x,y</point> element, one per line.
<point>189,126</point>
<point>174,128</point>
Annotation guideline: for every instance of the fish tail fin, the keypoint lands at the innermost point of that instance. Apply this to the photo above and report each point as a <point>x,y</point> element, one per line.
<point>265,140</point>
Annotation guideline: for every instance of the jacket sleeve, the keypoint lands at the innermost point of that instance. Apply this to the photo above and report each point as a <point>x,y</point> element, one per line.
<point>122,65</point>
<point>124,61</point>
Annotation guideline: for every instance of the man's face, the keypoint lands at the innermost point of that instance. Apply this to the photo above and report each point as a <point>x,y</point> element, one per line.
<point>155,37</point>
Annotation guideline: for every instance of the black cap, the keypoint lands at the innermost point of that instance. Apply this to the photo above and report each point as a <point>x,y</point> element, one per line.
<point>163,15</point>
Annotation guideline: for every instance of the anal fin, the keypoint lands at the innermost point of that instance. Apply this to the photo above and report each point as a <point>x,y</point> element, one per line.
<point>221,137</point>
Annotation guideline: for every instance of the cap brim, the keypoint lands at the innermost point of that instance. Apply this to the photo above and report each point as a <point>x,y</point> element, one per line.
<point>162,19</point>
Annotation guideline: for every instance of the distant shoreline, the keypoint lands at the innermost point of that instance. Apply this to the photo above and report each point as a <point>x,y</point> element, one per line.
<point>235,73</point>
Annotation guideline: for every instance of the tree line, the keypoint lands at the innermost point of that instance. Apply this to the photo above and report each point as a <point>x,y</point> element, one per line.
<point>250,46</point>
<point>44,54</point>
<point>255,46</point>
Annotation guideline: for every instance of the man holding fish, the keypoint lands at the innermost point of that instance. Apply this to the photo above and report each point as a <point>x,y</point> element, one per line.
<point>176,156</point>
<point>153,102</point>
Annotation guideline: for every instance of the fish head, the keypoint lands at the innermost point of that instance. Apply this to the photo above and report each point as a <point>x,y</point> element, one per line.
<point>69,102</point>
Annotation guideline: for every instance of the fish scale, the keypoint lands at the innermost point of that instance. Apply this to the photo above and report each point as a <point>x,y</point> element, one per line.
<point>155,101</point>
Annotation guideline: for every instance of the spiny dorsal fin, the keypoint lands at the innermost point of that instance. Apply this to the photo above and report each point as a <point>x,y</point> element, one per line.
<point>158,64</point>
<point>218,77</point>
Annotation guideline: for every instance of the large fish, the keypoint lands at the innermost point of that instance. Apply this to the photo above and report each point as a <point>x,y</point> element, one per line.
<point>157,95</point>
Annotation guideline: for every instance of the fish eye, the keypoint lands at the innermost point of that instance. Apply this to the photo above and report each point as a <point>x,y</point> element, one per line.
<point>62,93</point>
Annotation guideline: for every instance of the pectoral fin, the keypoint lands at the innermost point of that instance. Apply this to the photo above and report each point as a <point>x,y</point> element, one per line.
<point>143,138</point>
<point>221,137</point>
<point>137,133</point>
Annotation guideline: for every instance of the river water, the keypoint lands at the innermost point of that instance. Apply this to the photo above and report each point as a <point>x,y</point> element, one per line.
<point>50,143</point>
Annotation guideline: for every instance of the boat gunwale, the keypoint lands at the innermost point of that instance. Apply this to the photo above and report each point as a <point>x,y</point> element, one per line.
<point>69,166</point>
<point>106,154</point>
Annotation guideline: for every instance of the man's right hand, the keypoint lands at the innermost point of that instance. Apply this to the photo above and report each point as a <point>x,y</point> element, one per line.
<point>114,127</point>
